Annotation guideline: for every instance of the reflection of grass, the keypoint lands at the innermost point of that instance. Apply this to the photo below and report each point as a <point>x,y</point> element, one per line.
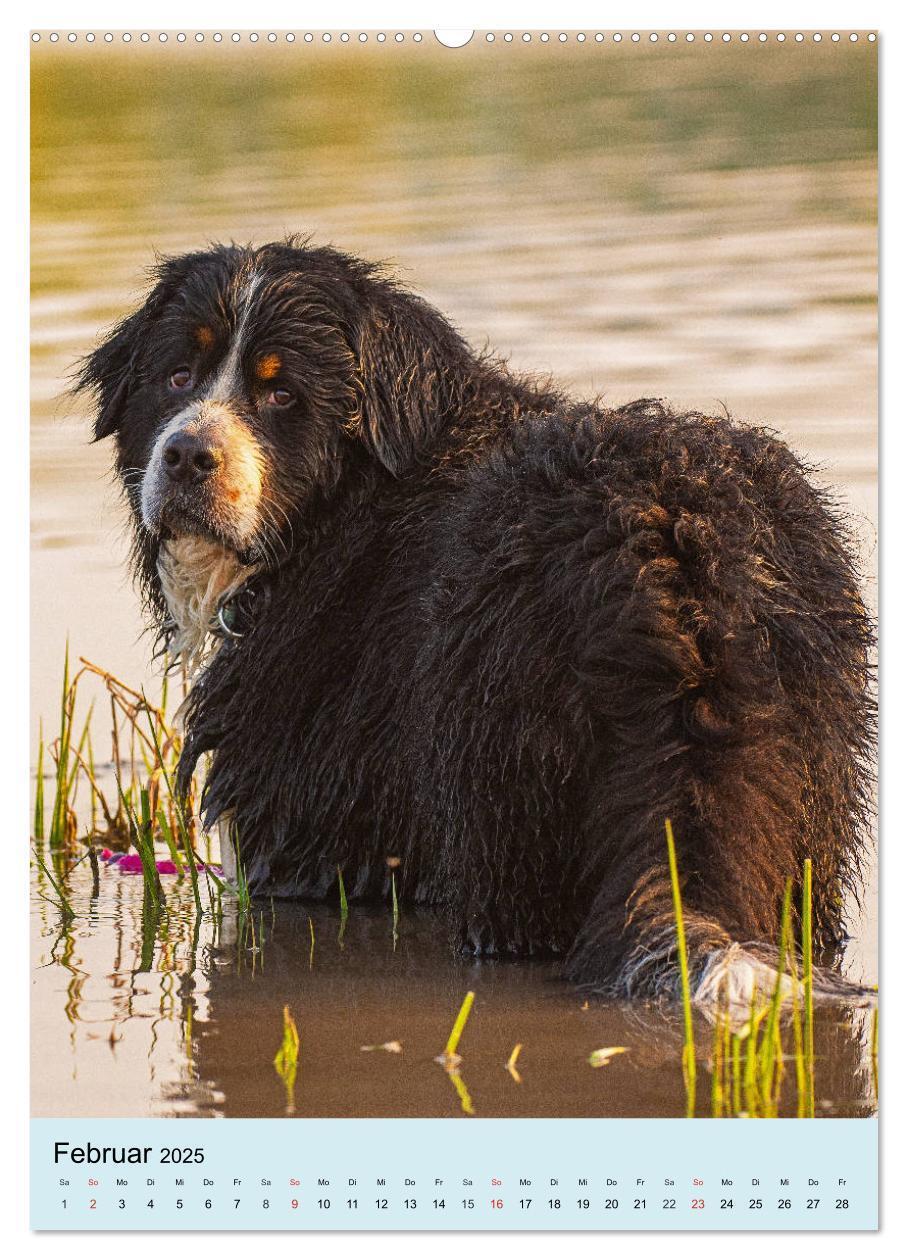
<point>512,1064</point>
<point>466,1102</point>
<point>62,901</point>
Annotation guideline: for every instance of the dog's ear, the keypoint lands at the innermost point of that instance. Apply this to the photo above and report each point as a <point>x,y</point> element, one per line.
<point>107,371</point>
<point>411,367</point>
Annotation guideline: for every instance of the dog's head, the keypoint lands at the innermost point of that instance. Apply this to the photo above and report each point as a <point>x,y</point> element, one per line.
<point>251,379</point>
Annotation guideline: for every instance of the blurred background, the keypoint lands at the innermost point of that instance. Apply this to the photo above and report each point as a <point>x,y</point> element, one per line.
<point>690,221</point>
<point>697,222</point>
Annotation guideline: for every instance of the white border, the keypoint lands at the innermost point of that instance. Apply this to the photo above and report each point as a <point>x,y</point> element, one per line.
<point>281,15</point>
<point>13,621</point>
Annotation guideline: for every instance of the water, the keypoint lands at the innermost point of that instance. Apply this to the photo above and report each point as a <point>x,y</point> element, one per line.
<point>129,1020</point>
<point>698,223</point>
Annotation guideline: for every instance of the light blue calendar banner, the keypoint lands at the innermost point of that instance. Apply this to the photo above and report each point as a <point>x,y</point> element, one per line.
<point>453,1174</point>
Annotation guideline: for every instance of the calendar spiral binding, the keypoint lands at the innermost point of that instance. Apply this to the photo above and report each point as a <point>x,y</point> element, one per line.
<point>451,39</point>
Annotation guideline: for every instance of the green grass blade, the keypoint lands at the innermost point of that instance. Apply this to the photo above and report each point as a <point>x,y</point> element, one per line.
<point>144,842</point>
<point>689,1055</point>
<point>57,837</point>
<point>718,1090</point>
<point>185,837</point>
<point>166,832</point>
<point>243,895</point>
<point>807,966</point>
<point>875,1051</point>
<point>39,787</point>
<point>344,908</point>
<point>459,1024</point>
<point>80,750</point>
<point>770,1056</point>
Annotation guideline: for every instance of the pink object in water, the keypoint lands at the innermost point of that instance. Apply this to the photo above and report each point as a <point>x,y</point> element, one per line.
<point>131,863</point>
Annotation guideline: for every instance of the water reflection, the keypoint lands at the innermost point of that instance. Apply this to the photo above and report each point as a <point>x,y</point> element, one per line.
<point>192,1025</point>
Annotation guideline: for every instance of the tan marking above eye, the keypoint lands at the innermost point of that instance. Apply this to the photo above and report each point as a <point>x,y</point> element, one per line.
<point>205,337</point>
<point>268,367</point>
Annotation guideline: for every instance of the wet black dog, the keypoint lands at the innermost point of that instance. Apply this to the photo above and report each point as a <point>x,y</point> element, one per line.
<point>446,615</point>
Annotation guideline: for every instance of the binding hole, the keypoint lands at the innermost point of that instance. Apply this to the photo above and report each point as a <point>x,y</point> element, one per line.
<point>453,39</point>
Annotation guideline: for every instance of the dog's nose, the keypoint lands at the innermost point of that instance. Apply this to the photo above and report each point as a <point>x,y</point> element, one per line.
<point>189,458</point>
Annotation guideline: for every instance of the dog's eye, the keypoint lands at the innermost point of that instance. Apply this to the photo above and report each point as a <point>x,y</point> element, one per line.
<point>280,398</point>
<point>180,378</point>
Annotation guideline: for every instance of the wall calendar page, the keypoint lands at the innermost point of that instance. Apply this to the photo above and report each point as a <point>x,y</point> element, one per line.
<point>453,629</point>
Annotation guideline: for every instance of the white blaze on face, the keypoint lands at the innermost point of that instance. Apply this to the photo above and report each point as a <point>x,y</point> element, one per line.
<point>197,572</point>
<point>229,378</point>
<point>215,419</point>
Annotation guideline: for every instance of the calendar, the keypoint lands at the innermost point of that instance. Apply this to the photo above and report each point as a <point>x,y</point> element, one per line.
<point>509,1175</point>
<point>454,608</point>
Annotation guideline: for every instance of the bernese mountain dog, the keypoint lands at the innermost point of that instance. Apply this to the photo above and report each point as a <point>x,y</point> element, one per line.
<point>445,618</point>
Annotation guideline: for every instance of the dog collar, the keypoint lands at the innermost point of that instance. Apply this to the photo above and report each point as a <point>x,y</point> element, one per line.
<point>236,612</point>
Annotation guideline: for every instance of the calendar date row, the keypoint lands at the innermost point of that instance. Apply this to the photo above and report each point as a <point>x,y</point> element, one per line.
<point>469,1204</point>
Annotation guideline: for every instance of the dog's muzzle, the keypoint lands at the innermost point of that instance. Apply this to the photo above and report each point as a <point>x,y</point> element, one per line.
<point>205,476</point>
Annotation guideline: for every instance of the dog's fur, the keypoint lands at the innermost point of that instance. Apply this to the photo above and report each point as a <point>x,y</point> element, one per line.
<point>489,631</point>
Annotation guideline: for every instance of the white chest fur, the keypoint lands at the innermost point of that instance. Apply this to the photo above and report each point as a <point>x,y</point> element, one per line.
<point>196,574</point>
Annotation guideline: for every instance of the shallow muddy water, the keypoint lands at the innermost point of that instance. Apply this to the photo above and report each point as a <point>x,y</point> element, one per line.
<point>131,1021</point>
<point>692,223</point>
